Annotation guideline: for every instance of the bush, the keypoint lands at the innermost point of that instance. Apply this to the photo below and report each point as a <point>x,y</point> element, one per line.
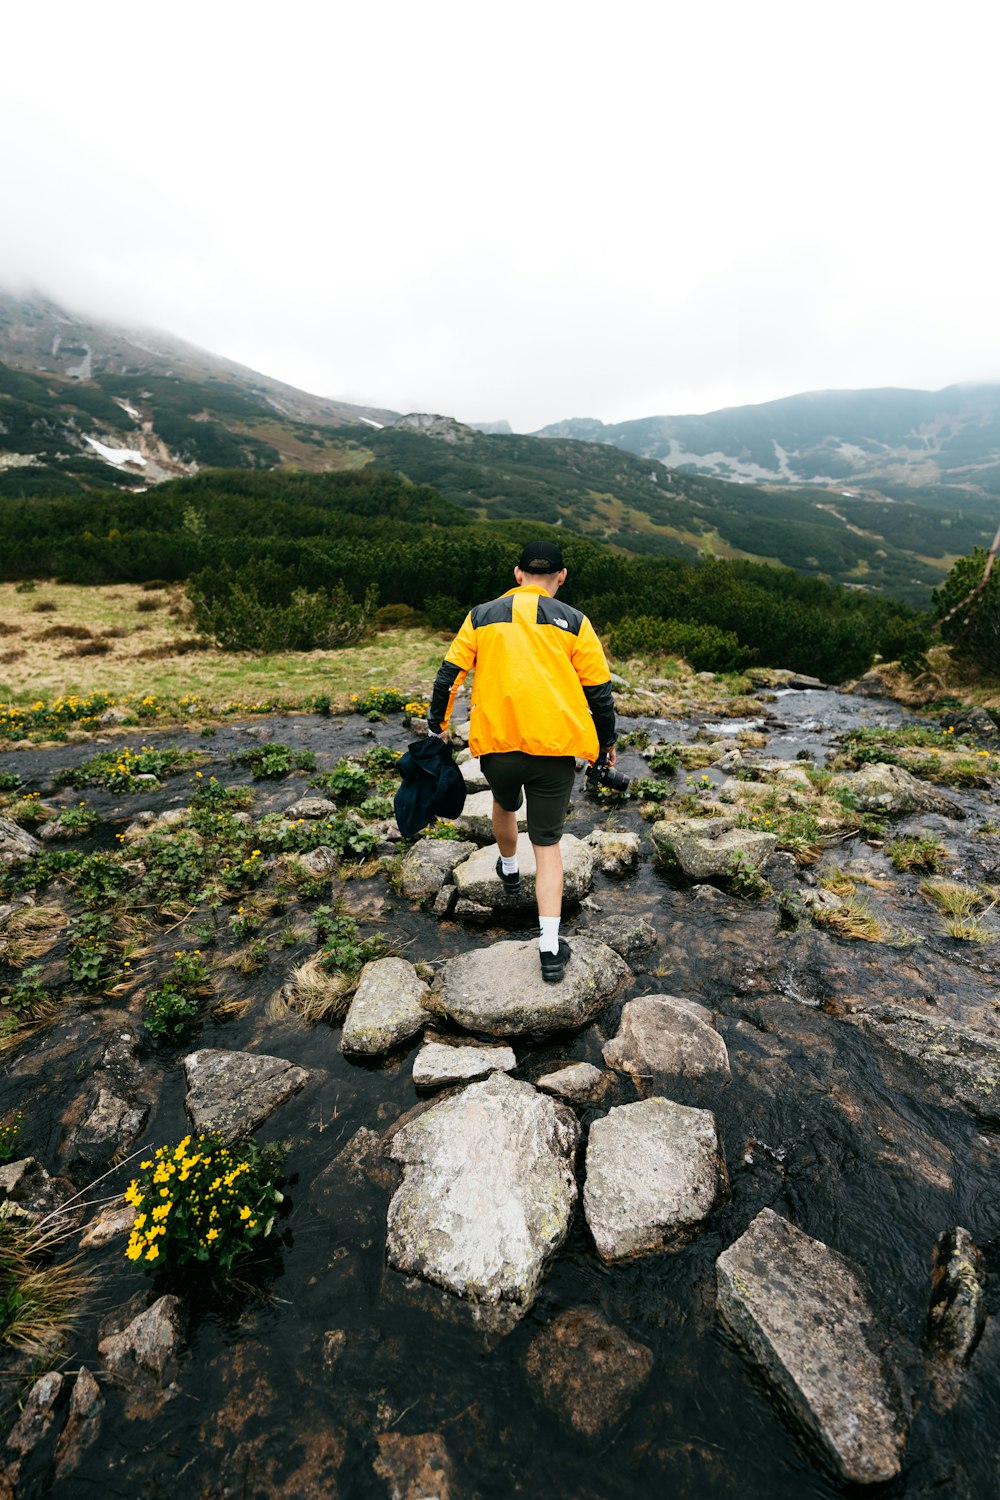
<point>272,762</point>
<point>173,1008</point>
<point>444,612</point>
<point>398,616</point>
<point>705,648</point>
<point>974,631</point>
<point>258,608</point>
<point>203,1201</point>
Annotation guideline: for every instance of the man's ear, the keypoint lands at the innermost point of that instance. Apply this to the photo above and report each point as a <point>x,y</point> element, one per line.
<point>518,577</point>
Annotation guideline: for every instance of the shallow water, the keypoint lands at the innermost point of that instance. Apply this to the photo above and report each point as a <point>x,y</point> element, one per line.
<point>850,1147</point>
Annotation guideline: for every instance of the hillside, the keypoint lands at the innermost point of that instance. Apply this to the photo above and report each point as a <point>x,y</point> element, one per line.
<point>889,439</point>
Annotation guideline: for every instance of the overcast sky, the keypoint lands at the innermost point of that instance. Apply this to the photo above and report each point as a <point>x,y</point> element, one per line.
<point>531,211</point>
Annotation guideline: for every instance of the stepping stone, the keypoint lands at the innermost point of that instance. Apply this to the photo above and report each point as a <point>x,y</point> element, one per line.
<point>428,865</point>
<point>664,1037</point>
<point>500,990</point>
<point>616,853</point>
<point>387,1008</point>
<point>578,1083</point>
<point>587,1372</point>
<point>233,1092</point>
<point>892,790</point>
<point>487,1193</point>
<point>964,1064</point>
<point>800,1311</point>
<point>443,1060</point>
<point>476,820</point>
<point>628,936</point>
<point>707,848</point>
<point>477,879</point>
<point>472,775</point>
<point>655,1171</point>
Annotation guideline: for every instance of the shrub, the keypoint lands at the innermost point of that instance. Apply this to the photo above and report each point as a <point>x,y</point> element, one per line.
<point>705,648</point>
<point>173,1008</point>
<point>378,701</point>
<point>974,631</point>
<point>258,608</point>
<point>398,616</point>
<point>665,760</point>
<point>272,762</point>
<point>444,612</point>
<point>203,1201</point>
<point>347,781</point>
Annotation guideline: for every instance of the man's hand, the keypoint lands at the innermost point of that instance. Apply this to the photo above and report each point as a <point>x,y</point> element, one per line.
<point>610,755</point>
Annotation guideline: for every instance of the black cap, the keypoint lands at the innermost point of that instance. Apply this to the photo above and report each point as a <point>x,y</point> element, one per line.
<point>541,557</point>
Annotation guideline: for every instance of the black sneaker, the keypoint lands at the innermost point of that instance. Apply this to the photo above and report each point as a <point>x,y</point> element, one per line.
<point>510,883</point>
<point>553,964</point>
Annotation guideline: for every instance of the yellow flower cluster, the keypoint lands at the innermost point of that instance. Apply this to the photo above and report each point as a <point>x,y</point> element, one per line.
<point>187,1198</point>
<point>416,709</point>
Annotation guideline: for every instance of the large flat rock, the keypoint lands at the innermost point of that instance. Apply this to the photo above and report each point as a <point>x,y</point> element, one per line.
<point>428,866</point>
<point>487,1192</point>
<point>655,1171</point>
<point>476,818</point>
<point>387,1008</point>
<point>500,990</point>
<point>800,1311</point>
<point>233,1092</point>
<point>477,879</point>
<point>667,1037</point>
<point>443,1060</point>
<point>712,848</point>
<point>15,843</point>
<point>964,1064</point>
<point>894,791</point>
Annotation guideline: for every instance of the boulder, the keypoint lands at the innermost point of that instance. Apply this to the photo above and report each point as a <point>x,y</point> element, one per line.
<point>586,1371</point>
<point>800,1311</point>
<point>145,1348</point>
<point>37,1414</point>
<point>111,1125</point>
<point>709,848</point>
<point>882,788</point>
<point>312,807</point>
<point>476,819</point>
<point>442,1060</point>
<point>83,1423</point>
<point>628,936</point>
<point>500,990</point>
<point>428,866</point>
<point>615,853</point>
<point>472,775</point>
<point>233,1092</point>
<point>15,843</point>
<point>664,1037</point>
<point>655,1171</point>
<point>322,860</point>
<point>804,683</point>
<point>387,1007</point>
<point>958,1297</point>
<point>477,879</point>
<point>961,1062</point>
<point>114,1219</point>
<point>487,1193</point>
<point>871,685</point>
<point>577,1083</point>
<point>27,1191</point>
<point>415,1466</point>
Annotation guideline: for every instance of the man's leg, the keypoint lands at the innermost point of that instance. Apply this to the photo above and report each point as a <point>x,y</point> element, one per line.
<point>548,783</point>
<point>505,833</point>
<point>549,883</point>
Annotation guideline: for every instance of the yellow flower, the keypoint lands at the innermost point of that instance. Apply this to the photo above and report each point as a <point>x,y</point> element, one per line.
<point>152,1252</point>
<point>213,1234</point>
<point>134,1250</point>
<point>244,1213</point>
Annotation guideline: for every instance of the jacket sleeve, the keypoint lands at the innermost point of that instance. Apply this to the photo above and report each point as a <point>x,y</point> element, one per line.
<point>451,674</point>
<point>592,669</point>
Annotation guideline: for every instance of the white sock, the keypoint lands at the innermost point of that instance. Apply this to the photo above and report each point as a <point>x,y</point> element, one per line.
<point>548,941</point>
<point>508,866</point>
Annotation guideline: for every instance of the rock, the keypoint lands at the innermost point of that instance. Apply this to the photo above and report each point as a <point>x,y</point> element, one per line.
<point>500,990</point>
<point>628,936</point>
<point>113,1124</point>
<point>312,807</point>
<point>476,820</point>
<point>15,844</point>
<point>473,912</point>
<point>114,1219</point>
<point>586,1371</point>
<point>356,1159</point>
<point>428,866</point>
<point>579,1083</point>
<point>894,791</point>
<point>730,761</point>
<point>665,1037</point>
<point>974,721</point>
<point>655,1171</point>
<point>83,1424</point>
<point>443,1060</point>
<point>962,1062</point>
<point>145,1348</point>
<point>616,853</point>
<point>29,1192</point>
<point>334,1344</point>
<point>112,715</point>
<point>319,861</point>
<point>958,1297</point>
<point>444,901</point>
<point>871,685</point>
<point>37,1414</point>
<point>799,1310</point>
<point>233,1092</point>
<point>416,1467</point>
<point>387,1007</point>
<point>803,683</point>
<point>487,1192</point>
<point>472,775</point>
<point>707,848</point>
<point>477,879</point>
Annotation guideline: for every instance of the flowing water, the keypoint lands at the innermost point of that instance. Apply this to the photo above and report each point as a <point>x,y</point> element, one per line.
<point>850,1147</point>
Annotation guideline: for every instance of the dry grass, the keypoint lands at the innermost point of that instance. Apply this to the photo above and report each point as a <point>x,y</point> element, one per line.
<point>158,660</point>
<point>36,1299</point>
<point>969,930</point>
<point>314,995</point>
<point>951,897</point>
<point>30,933</point>
<point>853,919</point>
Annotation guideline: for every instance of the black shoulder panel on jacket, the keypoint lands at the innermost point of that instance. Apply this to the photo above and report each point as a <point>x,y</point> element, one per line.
<point>563,616</point>
<point>494,612</point>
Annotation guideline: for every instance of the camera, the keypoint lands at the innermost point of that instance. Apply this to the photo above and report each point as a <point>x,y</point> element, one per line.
<point>601,774</point>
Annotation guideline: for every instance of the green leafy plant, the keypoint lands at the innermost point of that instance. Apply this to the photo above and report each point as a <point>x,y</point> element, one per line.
<point>78,819</point>
<point>441,828</point>
<point>174,1007</point>
<point>378,701</point>
<point>343,949</point>
<point>377,808</point>
<point>10,1129</point>
<point>91,953</point>
<point>271,762</point>
<point>745,880</point>
<point>203,1201</point>
<point>212,796</point>
<point>347,782</point>
<point>121,770</point>
<point>665,760</point>
<point>9,781</point>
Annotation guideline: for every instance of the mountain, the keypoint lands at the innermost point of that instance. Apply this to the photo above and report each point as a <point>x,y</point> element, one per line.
<point>92,402</point>
<point>887,439</point>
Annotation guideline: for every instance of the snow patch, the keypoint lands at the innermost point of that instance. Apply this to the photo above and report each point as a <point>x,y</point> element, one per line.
<point>129,410</point>
<point>369,423</point>
<point>116,455</point>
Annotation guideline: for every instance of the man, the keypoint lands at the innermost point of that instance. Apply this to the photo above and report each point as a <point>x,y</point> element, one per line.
<point>541,698</point>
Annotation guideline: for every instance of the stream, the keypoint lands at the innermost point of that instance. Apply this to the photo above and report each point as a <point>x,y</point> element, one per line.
<point>285,1392</point>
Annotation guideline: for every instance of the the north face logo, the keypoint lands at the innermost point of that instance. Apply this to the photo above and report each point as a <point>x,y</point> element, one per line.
<point>563,623</point>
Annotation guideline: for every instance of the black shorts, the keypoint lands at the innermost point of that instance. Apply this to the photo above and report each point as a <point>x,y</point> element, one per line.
<point>548,781</point>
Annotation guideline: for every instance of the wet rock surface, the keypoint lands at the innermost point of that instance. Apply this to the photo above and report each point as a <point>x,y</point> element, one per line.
<point>233,1092</point>
<point>587,1372</point>
<point>710,848</point>
<point>476,818</point>
<point>388,1007</point>
<point>958,1297</point>
<point>665,1037</point>
<point>415,1468</point>
<point>428,865</point>
<point>802,1315</point>
<point>616,853</point>
<point>477,879</point>
<point>629,936</point>
<point>15,842</point>
<point>500,990</point>
<point>487,1192</point>
<point>892,790</point>
<point>443,1060</point>
<point>577,1083</point>
<point>963,1063</point>
<point>655,1171</point>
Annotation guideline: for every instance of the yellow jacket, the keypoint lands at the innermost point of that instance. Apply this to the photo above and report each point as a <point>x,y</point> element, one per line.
<point>541,684</point>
